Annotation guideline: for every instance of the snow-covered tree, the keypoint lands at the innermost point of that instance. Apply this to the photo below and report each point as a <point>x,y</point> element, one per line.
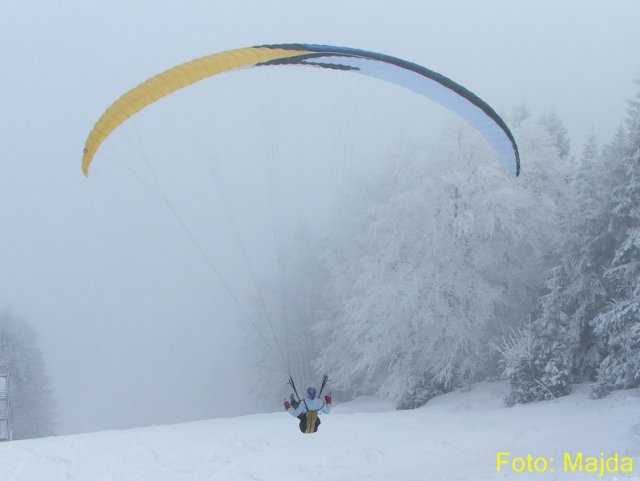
<point>557,132</point>
<point>585,325</point>
<point>31,400</point>
<point>537,359</point>
<point>619,322</point>
<point>563,345</point>
<point>448,255</point>
<point>528,379</point>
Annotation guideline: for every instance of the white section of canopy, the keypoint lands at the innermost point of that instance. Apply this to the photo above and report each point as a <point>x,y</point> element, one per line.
<point>493,133</point>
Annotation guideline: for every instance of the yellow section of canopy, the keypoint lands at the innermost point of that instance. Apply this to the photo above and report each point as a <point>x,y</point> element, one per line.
<point>171,80</point>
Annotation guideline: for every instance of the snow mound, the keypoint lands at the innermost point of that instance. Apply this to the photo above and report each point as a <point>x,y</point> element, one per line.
<point>364,404</point>
<point>478,397</point>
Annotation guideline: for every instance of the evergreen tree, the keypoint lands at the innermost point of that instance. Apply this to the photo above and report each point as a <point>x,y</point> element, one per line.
<point>520,115</point>
<point>586,325</point>
<point>563,346</point>
<point>537,364</point>
<point>619,322</point>
<point>557,132</point>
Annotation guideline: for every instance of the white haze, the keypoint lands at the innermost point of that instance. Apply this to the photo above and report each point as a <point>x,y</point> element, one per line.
<point>134,323</point>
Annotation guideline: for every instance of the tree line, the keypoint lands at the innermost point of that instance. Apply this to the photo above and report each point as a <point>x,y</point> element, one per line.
<point>440,271</point>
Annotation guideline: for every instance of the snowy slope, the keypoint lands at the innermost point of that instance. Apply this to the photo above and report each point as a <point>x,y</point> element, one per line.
<point>453,437</point>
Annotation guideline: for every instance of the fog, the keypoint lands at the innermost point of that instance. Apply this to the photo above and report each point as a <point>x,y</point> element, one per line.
<point>136,278</point>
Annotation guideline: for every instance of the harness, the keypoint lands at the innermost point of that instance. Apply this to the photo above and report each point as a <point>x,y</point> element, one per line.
<point>309,420</point>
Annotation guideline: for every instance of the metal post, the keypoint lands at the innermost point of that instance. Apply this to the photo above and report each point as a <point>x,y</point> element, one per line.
<point>5,426</point>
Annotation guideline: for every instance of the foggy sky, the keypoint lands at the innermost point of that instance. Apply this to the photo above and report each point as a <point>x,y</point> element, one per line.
<point>135,328</point>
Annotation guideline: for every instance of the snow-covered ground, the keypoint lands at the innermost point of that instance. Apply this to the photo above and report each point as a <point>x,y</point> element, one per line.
<point>453,437</point>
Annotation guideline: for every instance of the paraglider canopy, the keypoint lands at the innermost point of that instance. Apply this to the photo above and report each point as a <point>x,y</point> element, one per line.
<point>412,76</point>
